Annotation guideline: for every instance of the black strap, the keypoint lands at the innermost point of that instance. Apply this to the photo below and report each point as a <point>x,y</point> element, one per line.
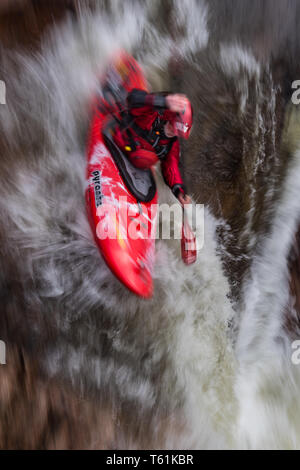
<point>160,150</point>
<point>163,150</point>
<point>127,123</point>
<point>141,132</point>
<point>126,120</point>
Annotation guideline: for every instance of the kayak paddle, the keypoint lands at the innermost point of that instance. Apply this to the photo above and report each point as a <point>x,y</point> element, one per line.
<point>188,241</point>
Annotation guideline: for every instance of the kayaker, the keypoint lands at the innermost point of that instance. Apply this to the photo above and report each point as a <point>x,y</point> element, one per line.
<point>149,132</point>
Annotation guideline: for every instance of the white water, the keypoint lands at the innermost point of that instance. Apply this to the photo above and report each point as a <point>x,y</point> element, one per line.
<point>268,382</point>
<point>225,398</point>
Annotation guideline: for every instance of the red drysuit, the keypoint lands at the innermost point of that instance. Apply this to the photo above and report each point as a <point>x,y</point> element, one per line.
<point>144,129</point>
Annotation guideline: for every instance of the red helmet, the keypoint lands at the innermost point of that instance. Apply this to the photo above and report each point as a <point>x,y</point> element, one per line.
<point>182,122</point>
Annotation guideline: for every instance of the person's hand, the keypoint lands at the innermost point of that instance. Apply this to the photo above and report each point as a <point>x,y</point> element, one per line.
<point>176,103</point>
<point>184,199</point>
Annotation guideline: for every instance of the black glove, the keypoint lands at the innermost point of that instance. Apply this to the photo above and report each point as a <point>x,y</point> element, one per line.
<point>176,190</point>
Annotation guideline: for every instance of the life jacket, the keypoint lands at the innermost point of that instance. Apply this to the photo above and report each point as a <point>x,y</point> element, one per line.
<point>152,136</point>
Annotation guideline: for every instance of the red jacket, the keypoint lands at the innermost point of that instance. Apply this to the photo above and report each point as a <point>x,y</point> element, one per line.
<point>146,108</point>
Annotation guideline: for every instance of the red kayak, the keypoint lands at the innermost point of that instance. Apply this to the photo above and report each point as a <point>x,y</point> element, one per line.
<point>121,199</point>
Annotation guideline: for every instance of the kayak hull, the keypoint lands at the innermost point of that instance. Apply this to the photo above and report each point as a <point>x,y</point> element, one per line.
<point>124,227</point>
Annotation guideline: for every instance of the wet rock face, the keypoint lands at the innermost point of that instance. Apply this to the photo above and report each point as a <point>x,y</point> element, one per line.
<point>235,152</point>
<point>243,89</point>
<point>58,419</point>
<point>23,22</point>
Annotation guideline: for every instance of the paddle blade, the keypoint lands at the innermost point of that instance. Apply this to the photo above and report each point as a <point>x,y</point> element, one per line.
<point>188,243</point>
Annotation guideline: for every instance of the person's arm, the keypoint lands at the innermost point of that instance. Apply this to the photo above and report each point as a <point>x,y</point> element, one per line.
<point>140,102</point>
<point>170,170</point>
<point>139,99</point>
<point>172,176</point>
